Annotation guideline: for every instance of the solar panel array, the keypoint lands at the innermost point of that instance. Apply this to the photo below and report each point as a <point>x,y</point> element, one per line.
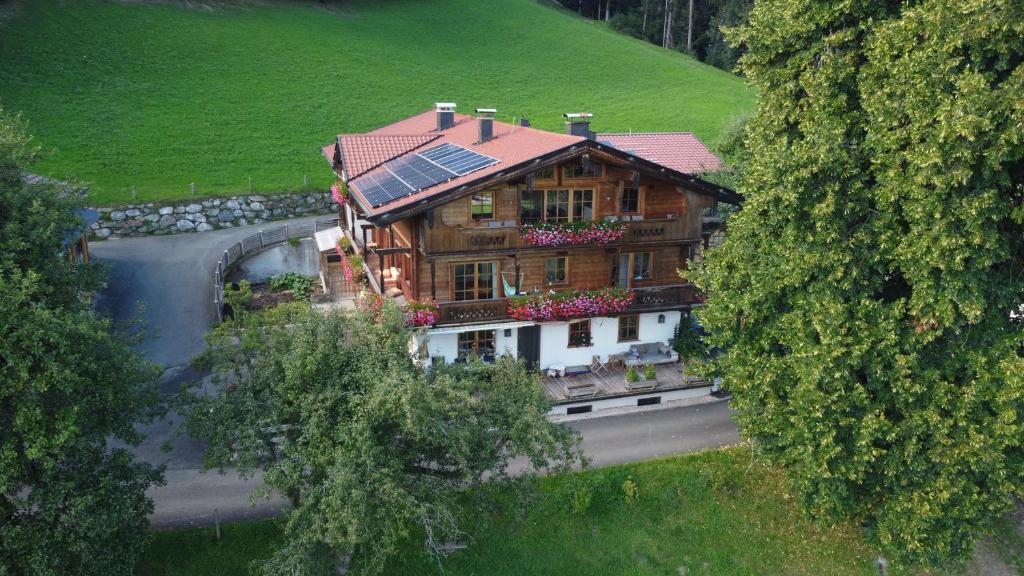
<point>414,172</point>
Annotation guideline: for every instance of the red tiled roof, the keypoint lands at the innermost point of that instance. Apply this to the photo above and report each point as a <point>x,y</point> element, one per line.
<point>361,153</point>
<point>680,151</point>
<point>511,145</point>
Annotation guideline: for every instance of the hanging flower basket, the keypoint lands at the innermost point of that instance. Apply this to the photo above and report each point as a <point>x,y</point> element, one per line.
<point>339,191</point>
<point>599,232</point>
<point>570,304</point>
<point>421,314</point>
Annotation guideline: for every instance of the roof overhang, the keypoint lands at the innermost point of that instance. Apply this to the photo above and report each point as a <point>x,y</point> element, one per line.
<point>520,170</point>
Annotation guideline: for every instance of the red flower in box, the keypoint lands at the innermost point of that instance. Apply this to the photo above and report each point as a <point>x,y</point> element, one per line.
<point>570,304</point>
<point>421,314</point>
<point>598,232</point>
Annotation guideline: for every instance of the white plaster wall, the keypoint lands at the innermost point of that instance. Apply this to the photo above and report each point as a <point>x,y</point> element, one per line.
<point>554,339</point>
<point>623,401</point>
<point>447,345</point>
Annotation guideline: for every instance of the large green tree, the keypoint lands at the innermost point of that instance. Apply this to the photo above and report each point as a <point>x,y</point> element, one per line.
<point>371,450</point>
<point>68,385</point>
<point>867,292</point>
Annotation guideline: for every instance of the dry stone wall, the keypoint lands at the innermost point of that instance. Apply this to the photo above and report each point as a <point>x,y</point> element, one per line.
<point>207,214</point>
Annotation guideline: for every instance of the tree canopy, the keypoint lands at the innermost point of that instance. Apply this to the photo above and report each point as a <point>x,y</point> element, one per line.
<point>867,292</point>
<point>370,449</point>
<point>68,384</point>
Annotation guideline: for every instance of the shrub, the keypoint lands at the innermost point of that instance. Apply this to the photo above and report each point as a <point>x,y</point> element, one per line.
<point>299,285</point>
<point>579,489</point>
<point>631,375</point>
<point>630,490</point>
<point>238,296</point>
<point>687,341</point>
<point>293,241</point>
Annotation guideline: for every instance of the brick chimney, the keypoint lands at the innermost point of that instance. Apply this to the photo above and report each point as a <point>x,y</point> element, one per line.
<point>485,121</point>
<point>445,115</point>
<point>578,124</point>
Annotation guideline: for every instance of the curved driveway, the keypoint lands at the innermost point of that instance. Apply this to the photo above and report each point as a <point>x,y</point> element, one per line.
<point>172,277</point>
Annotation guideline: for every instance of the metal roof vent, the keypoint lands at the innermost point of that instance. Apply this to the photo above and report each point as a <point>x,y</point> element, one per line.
<point>578,124</point>
<point>486,123</point>
<point>445,115</point>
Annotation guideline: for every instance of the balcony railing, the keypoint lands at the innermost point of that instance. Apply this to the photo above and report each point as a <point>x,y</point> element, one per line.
<point>445,239</point>
<point>473,311</point>
<point>496,310</point>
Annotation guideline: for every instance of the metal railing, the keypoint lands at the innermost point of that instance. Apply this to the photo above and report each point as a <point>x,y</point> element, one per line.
<point>258,242</point>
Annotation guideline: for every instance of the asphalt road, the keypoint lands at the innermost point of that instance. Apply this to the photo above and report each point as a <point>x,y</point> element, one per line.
<point>171,276</point>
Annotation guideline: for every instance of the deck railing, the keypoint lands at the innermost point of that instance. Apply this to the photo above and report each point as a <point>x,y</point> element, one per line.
<point>496,310</point>
<point>473,311</point>
<point>509,237</point>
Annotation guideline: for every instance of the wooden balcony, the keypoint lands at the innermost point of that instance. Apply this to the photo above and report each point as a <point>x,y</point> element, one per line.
<point>473,311</point>
<point>496,310</point>
<point>444,239</point>
<point>664,297</point>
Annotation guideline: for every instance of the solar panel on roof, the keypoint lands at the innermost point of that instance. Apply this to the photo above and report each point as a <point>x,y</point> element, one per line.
<point>414,172</point>
<point>418,172</point>
<point>457,159</point>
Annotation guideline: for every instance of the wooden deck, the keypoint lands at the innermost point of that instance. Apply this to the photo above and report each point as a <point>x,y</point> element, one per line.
<point>611,382</point>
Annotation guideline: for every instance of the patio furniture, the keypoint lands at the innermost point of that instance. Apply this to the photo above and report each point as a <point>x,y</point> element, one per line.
<point>617,360</point>
<point>580,389</point>
<point>596,366</point>
<point>652,353</point>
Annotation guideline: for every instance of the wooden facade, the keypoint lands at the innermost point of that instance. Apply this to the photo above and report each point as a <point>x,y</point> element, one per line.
<point>419,257</point>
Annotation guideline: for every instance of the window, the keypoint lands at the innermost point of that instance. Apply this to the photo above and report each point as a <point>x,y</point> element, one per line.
<point>629,328</point>
<point>633,266</point>
<point>581,169</point>
<point>582,205</point>
<point>579,334</point>
<point>630,201</point>
<point>545,172</point>
<point>556,205</point>
<point>649,401</point>
<point>473,281</point>
<point>555,270</point>
<point>481,205</point>
<point>580,409</point>
<point>531,206</point>
<point>479,342</point>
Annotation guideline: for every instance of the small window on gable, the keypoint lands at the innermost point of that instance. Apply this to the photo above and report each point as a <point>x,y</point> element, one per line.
<point>482,205</point>
<point>580,169</point>
<point>544,172</point>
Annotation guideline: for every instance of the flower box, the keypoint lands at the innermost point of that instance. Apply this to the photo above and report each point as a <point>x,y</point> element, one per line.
<point>421,314</point>
<point>598,232</point>
<point>570,304</point>
<point>339,191</point>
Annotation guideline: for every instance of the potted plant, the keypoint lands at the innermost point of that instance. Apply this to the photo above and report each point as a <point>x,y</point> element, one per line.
<point>650,373</point>
<point>631,376</point>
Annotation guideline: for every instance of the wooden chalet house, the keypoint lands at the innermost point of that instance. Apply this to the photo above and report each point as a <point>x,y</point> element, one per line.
<point>555,248</point>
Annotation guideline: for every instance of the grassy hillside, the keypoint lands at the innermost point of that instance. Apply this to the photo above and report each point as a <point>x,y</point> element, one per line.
<point>162,95</point>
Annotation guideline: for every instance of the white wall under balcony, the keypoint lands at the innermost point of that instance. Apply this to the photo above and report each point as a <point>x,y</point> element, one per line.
<point>554,339</point>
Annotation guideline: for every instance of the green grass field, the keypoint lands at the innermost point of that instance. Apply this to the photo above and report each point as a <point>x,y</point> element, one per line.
<point>701,514</point>
<point>160,95</point>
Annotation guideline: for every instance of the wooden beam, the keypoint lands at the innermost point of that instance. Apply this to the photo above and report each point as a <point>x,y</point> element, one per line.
<point>433,280</point>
